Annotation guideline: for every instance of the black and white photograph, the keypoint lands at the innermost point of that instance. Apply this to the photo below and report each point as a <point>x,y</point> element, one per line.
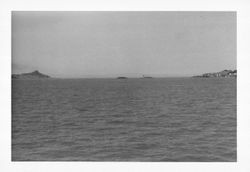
<point>137,86</point>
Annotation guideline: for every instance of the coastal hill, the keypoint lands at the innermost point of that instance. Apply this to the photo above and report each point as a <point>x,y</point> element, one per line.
<point>32,75</point>
<point>222,74</point>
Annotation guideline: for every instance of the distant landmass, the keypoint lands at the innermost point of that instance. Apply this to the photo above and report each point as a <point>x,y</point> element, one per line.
<point>32,75</point>
<point>222,74</point>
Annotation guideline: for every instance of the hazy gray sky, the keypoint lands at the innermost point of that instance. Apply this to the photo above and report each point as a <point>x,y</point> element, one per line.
<point>107,44</point>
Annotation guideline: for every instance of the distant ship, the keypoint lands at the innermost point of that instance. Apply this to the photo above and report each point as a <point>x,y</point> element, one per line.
<point>143,76</point>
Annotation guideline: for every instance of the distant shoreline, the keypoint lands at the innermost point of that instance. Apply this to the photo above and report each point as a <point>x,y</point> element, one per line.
<point>134,78</point>
<point>35,75</point>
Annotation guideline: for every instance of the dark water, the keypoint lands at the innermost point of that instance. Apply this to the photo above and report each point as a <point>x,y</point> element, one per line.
<point>174,119</point>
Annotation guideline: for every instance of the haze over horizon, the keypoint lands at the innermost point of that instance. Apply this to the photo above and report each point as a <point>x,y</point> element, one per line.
<point>110,44</point>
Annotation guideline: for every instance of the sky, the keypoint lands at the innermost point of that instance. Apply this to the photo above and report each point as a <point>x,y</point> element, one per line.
<point>111,44</point>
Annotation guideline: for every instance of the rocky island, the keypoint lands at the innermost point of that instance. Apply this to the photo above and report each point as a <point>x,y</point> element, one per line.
<point>222,74</point>
<point>122,77</point>
<point>32,75</point>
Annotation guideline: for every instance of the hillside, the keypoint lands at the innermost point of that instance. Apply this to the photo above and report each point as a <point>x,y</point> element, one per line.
<point>222,74</point>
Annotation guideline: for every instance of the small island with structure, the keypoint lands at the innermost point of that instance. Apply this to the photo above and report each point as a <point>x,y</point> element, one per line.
<point>146,77</point>
<point>32,75</point>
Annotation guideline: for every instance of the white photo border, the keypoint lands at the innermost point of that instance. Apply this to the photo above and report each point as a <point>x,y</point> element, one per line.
<point>243,81</point>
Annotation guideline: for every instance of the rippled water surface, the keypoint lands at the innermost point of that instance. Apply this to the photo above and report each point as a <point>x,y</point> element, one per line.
<point>172,119</point>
